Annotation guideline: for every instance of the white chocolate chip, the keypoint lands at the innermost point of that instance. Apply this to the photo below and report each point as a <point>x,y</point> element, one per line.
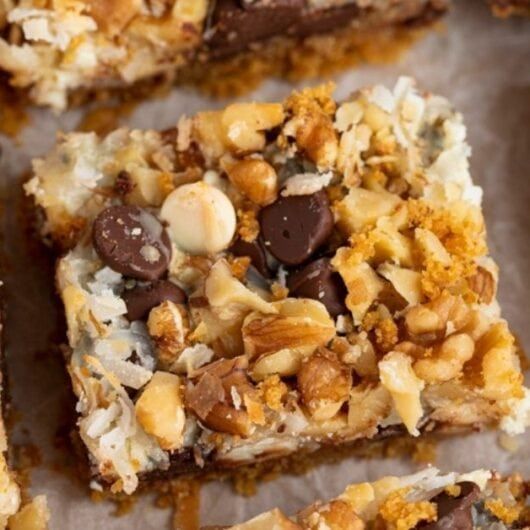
<point>201,218</point>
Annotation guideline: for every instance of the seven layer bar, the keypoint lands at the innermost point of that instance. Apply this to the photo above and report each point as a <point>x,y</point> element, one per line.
<point>272,279</point>
<point>58,48</point>
<point>427,500</point>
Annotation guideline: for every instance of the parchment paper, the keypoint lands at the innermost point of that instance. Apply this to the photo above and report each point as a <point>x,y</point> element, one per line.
<point>483,66</point>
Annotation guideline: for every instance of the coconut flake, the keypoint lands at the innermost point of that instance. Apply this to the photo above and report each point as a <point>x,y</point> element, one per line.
<point>306,183</point>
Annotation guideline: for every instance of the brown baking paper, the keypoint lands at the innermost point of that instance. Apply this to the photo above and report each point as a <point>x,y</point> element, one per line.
<point>482,65</point>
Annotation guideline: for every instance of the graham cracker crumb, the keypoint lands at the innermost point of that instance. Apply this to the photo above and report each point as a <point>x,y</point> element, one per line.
<point>403,515</point>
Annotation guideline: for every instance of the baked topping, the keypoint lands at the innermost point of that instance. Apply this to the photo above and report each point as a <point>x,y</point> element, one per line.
<point>142,298</point>
<point>294,227</point>
<point>374,307</point>
<point>319,281</point>
<point>132,241</point>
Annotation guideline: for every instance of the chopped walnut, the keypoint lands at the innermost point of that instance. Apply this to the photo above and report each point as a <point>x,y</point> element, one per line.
<point>398,377</point>
<point>300,324</point>
<point>254,178</point>
<point>221,388</point>
<point>160,410</point>
<point>368,406</point>
<point>324,384</point>
<point>446,361</point>
<point>483,284</point>
<point>167,329</point>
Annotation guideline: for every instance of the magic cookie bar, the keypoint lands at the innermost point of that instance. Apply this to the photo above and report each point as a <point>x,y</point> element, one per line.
<point>427,500</point>
<point>276,278</point>
<point>63,47</point>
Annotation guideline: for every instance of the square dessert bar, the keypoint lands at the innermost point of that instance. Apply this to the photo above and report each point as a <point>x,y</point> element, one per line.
<point>428,500</point>
<point>275,279</point>
<point>59,48</point>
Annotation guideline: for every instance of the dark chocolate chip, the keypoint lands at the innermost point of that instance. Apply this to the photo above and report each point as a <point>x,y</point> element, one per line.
<point>234,26</point>
<point>454,513</point>
<point>142,298</point>
<point>294,227</point>
<point>319,281</point>
<point>255,251</point>
<point>132,241</point>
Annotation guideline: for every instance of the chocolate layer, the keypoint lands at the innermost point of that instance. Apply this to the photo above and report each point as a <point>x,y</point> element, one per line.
<point>235,25</point>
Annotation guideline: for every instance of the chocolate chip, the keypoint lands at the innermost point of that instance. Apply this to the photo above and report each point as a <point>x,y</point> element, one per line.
<point>142,298</point>
<point>132,241</point>
<point>255,251</point>
<point>454,513</point>
<point>319,281</point>
<point>295,227</point>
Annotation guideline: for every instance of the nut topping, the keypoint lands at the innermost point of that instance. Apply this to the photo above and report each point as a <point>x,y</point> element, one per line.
<point>301,324</point>
<point>324,383</point>
<point>256,179</point>
<point>160,410</point>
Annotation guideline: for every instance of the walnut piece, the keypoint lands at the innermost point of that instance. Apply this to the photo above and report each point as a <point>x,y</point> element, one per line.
<point>398,377</point>
<point>483,283</point>
<point>316,137</point>
<point>324,384</point>
<point>166,328</point>
<point>284,363</point>
<point>368,405</point>
<point>447,360</point>
<point>300,324</point>
<point>243,125</point>
<point>362,208</point>
<point>256,179</point>
<point>160,410</point>
<point>217,397</point>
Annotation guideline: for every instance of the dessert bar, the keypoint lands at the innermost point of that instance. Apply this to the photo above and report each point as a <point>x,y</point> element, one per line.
<point>275,279</point>
<point>428,500</point>
<point>59,48</point>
